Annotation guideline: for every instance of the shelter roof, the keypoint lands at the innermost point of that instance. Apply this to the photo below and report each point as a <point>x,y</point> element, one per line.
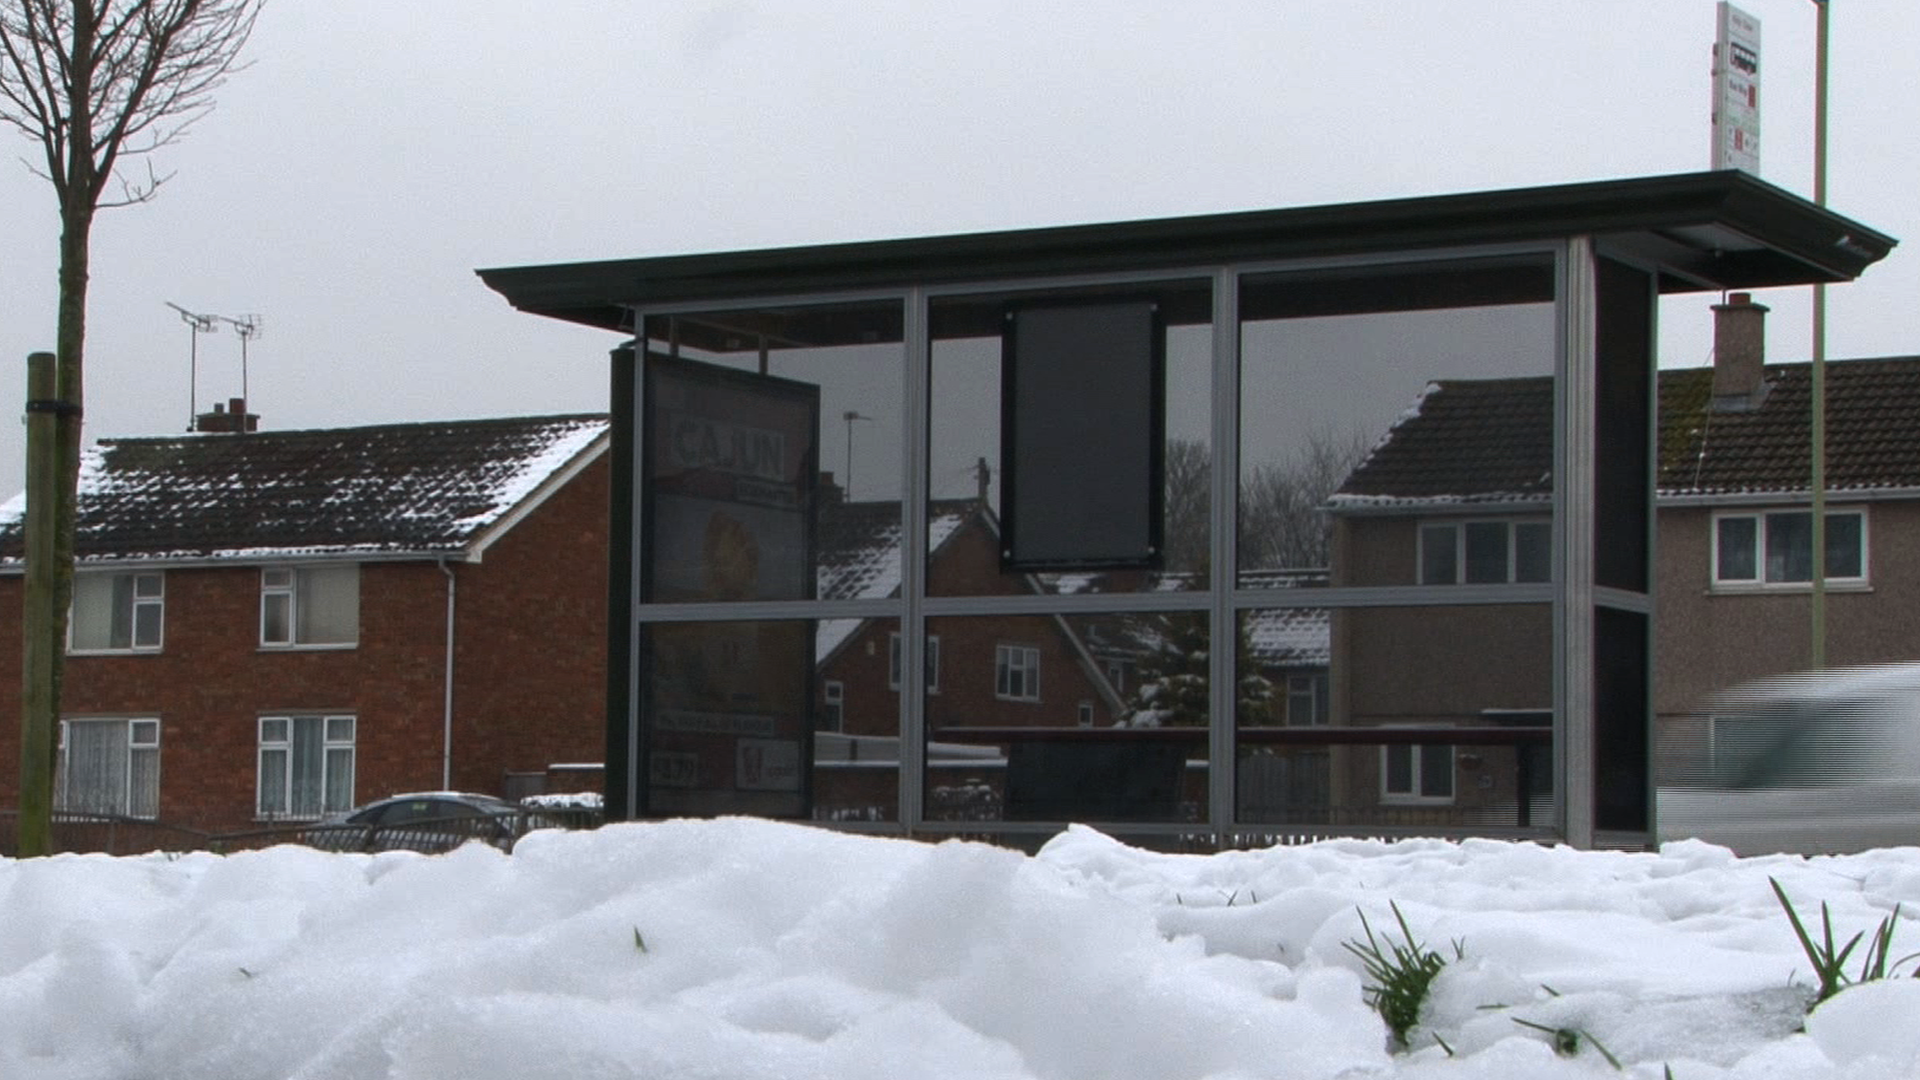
<point>1706,231</point>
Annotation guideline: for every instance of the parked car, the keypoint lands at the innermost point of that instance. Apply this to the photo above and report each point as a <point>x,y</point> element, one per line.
<point>1810,763</point>
<point>429,821</point>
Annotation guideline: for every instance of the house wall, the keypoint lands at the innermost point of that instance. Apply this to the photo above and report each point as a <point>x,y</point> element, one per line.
<point>1430,665</point>
<point>530,670</point>
<point>530,642</point>
<point>212,682</point>
<point>1708,641</point>
<point>1434,663</point>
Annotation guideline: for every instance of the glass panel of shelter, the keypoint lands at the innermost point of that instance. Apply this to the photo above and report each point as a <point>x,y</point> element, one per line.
<point>965,472</point>
<point>774,451</point>
<point>1068,716</point>
<point>1397,435</point>
<point>1042,718</point>
<point>773,472</point>
<point>1414,717</point>
<point>1419,393</point>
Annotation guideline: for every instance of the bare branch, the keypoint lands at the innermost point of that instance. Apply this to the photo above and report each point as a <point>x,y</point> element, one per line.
<point>132,194</point>
<point>97,81</point>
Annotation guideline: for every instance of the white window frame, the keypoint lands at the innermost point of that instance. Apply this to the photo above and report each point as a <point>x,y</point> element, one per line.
<point>339,734</point>
<point>146,592</point>
<point>1458,528</point>
<point>1416,760</point>
<point>291,586</point>
<point>933,662</point>
<point>1016,673</point>
<point>1761,581</point>
<point>142,745</point>
<point>833,700</point>
<point>1310,691</point>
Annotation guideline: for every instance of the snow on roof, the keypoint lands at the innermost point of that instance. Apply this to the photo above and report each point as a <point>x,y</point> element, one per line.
<point>396,489</point>
<point>860,546</point>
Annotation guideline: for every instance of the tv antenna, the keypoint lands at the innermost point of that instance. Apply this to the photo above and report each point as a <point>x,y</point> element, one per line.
<point>248,327</point>
<point>197,324</point>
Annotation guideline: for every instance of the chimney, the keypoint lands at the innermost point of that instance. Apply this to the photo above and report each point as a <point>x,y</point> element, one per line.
<point>232,417</point>
<point>1739,353</point>
<point>828,493</point>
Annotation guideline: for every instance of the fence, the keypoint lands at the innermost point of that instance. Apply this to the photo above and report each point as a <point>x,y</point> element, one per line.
<point>114,835</point>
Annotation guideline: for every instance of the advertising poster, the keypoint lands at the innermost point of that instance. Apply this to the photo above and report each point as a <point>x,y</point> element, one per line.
<point>729,469</point>
<point>1736,91</point>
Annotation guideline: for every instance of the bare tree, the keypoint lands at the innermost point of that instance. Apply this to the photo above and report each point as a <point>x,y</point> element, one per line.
<point>97,83</point>
<point>1283,517</point>
<point>1189,469</point>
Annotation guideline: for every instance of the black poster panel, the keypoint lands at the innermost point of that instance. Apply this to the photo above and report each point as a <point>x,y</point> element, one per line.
<point>1623,423</point>
<point>729,472</point>
<point>1082,435</point>
<point>1622,743</point>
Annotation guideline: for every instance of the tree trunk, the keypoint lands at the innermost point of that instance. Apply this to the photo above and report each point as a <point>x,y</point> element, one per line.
<point>54,439</point>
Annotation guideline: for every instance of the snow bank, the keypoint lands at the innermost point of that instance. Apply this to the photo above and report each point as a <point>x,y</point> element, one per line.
<point>749,949</point>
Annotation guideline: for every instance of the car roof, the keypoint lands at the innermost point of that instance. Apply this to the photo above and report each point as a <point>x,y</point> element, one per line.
<point>1836,684</point>
<point>449,796</point>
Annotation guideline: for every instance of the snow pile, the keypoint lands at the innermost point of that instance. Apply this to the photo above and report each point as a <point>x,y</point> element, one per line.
<point>749,949</point>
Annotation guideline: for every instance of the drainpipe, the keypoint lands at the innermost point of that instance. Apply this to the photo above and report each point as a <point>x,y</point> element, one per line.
<point>446,709</point>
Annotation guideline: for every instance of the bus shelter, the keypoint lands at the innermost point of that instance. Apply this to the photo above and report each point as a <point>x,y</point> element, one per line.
<point>1203,530</point>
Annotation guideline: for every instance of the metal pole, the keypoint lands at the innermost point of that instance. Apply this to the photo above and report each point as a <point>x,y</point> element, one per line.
<point>847,481</point>
<point>1818,434</point>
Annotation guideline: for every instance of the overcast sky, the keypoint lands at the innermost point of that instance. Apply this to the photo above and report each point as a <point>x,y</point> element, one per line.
<point>376,153</point>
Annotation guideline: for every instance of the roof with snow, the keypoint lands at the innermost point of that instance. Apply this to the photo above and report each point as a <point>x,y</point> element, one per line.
<point>1463,441</point>
<point>1276,637</point>
<point>1475,442</point>
<point>859,547</point>
<point>860,543</point>
<point>399,490</point>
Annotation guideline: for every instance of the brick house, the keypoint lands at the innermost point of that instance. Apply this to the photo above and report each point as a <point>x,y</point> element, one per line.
<point>1014,671</point>
<point>279,625</point>
<point>1735,554</point>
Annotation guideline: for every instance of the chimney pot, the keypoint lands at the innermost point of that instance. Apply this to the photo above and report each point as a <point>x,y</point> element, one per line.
<point>1739,353</point>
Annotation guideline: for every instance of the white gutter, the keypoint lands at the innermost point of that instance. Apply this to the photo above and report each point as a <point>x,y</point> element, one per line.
<point>446,718</point>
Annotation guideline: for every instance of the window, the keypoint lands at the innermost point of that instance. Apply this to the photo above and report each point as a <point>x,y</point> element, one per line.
<point>1016,672</point>
<point>116,612</point>
<point>1085,714</point>
<point>933,662</point>
<point>1484,552</point>
<point>309,605</point>
<point>1416,774</point>
<point>833,699</point>
<point>110,767</point>
<point>306,765</point>
<point>1306,700</point>
<point>1776,547</point>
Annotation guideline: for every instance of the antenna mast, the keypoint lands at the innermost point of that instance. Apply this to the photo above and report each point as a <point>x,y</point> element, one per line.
<point>248,327</point>
<point>197,324</point>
